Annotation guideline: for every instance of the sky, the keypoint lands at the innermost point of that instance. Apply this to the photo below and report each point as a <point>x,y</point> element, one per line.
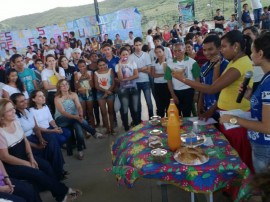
<point>13,8</point>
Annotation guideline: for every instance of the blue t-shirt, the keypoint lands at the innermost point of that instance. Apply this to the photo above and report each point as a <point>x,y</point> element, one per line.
<point>27,77</point>
<point>211,99</point>
<point>112,63</point>
<point>246,17</point>
<point>259,98</point>
<point>197,47</point>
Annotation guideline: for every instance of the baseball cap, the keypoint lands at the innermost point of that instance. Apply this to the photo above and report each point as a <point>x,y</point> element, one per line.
<point>77,50</point>
<point>40,37</point>
<point>196,22</point>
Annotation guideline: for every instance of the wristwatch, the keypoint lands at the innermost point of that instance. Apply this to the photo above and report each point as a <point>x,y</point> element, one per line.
<point>233,121</point>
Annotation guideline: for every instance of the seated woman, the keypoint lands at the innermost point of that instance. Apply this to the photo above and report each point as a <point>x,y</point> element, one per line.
<point>45,146</point>
<point>14,85</point>
<point>16,190</point>
<point>16,153</point>
<point>44,118</point>
<point>69,114</point>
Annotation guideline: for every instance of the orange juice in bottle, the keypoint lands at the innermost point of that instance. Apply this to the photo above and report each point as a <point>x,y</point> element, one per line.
<point>173,130</point>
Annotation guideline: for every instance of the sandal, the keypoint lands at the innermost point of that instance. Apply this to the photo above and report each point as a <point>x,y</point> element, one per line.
<point>72,195</point>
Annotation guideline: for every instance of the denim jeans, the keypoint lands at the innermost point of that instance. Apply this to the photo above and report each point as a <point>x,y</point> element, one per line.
<point>63,121</point>
<point>52,152</point>
<point>257,15</point>
<point>145,87</point>
<point>128,98</point>
<point>260,157</point>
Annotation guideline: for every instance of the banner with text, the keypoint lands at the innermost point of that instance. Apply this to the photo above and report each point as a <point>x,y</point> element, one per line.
<point>119,22</point>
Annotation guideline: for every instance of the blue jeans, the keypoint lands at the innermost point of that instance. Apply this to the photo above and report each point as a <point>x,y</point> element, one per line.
<point>23,192</point>
<point>52,152</point>
<point>145,87</point>
<point>260,157</point>
<point>78,127</point>
<point>61,138</point>
<point>257,15</point>
<point>128,98</point>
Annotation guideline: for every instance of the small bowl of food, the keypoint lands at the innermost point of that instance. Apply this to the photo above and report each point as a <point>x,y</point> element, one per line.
<point>155,117</point>
<point>158,154</point>
<point>155,132</point>
<point>154,142</point>
<point>154,122</point>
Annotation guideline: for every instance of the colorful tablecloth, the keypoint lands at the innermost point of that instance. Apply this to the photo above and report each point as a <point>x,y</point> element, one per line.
<point>132,160</point>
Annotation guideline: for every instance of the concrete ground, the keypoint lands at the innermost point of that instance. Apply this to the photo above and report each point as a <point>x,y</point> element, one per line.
<point>97,185</point>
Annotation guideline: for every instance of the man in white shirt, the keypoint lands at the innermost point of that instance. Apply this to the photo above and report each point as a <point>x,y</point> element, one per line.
<point>67,50</point>
<point>149,40</point>
<point>143,63</point>
<point>47,51</point>
<point>29,55</point>
<point>130,39</point>
<point>257,11</point>
<point>157,42</point>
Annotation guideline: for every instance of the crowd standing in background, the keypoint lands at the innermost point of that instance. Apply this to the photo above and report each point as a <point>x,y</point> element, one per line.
<point>54,93</point>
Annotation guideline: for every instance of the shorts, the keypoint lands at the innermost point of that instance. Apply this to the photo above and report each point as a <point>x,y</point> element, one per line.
<point>84,97</point>
<point>101,94</point>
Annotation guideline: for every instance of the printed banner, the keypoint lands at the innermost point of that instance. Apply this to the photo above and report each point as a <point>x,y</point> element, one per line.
<point>119,22</point>
<point>186,10</point>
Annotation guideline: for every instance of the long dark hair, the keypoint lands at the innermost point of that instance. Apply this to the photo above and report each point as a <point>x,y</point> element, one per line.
<point>235,36</point>
<point>14,98</point>
<point>32,96</point>
<point>18,82</point>
<point>52,56</point>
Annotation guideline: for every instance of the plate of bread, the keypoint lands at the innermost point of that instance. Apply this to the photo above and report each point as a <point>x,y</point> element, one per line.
<point>190,156</point>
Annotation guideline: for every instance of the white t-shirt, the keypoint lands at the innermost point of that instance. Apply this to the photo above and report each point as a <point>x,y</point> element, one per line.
<point>11,90</point>
<point>48,52</point>
<point>127,71</point>
<point>167,52</point>
<point>68,52</point>
<point>43,116</point>
<point>30,55</point>
<point>258,73</point>
<point>48,75</point>
<point>130,41</point>
<point>255,4</point>
<point>149,40</point>
<point>11,139</point>
<point>104,80</point>
<point>159,69</point>
<point>141,61</point>
<point>187,64</point>
<point>27,122</point>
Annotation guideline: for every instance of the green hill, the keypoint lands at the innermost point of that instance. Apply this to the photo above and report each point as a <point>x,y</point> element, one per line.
<point>154,12</point>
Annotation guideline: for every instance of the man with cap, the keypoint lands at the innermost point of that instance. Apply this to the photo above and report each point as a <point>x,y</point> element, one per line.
<point>76,55</point>
<point>195,28</point>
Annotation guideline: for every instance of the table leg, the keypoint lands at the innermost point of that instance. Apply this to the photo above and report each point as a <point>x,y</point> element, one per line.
<point>209,197</point>
<point>164,194</point>
<point>192,197</point>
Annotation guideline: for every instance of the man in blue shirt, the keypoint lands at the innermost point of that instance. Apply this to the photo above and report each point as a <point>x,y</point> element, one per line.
<point>27,76</point>
<point>207,104</point>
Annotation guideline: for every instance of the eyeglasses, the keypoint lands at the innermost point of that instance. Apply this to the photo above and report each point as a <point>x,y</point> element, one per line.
<point>176,50</point>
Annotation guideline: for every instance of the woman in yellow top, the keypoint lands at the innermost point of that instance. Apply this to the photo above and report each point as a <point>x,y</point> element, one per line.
<point>232,48</point>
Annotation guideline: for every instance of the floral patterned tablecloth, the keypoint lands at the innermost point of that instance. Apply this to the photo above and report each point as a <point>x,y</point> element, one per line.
<point>132,160</point>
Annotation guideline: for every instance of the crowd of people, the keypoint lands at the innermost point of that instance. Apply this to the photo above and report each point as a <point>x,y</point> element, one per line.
<point>53,95</point>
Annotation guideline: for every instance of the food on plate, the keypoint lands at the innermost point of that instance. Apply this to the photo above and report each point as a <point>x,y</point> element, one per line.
<point>190,156</point>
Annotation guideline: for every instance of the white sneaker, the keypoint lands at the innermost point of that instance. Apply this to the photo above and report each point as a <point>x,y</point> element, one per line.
<point>99,135</point>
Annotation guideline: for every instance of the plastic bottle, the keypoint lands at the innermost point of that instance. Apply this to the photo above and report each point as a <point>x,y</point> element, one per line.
<point>173,107</point>
<point>173,130</point>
